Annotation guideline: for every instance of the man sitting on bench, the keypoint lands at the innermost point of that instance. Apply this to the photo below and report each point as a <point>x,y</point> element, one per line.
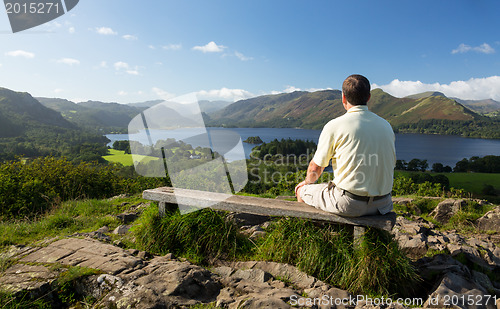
<point>361,147</point>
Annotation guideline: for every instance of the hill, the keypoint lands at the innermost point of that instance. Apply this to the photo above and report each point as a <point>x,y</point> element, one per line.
<point>21,113</point>
<point>29,128</point>
<point>430,112</point>
<point>481,106</point>
<point>95,115</point>
<point>313,109</point>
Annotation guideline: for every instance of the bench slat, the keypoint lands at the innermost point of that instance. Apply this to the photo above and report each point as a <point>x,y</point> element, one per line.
<point>261,206</point>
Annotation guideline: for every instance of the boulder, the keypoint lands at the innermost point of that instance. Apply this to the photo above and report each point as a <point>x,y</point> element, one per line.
<point>490,221</point>
<point>446,209</point>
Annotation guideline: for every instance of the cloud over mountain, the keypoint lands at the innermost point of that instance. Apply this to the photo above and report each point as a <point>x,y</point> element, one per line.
<point>472,89</point>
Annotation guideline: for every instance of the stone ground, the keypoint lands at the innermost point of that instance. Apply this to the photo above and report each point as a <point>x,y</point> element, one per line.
<point>134,279</point>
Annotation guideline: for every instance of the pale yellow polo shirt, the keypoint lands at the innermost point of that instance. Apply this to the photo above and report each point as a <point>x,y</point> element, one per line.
<point>360,145</point>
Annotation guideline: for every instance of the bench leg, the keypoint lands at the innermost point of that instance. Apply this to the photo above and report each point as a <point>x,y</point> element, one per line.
<point>164,207</point>
<point>358,232</point>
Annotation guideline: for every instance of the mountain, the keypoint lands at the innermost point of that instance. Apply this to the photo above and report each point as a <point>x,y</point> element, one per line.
<point>481,106</point>
<point>20,113</point>
<point>28,128</point>
<point>95,115</point>
<point>312,110</point>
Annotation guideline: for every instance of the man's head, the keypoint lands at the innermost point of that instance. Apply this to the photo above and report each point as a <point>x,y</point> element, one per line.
<point>356,90</point>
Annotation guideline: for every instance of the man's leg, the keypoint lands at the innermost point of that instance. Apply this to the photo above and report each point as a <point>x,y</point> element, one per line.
<point>317,195</point>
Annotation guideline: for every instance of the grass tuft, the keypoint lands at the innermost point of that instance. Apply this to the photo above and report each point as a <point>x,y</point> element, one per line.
<point>376,267</point>
<point>201,236</point>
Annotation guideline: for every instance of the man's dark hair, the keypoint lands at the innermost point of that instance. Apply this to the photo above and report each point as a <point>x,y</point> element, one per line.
<point>356,89</point>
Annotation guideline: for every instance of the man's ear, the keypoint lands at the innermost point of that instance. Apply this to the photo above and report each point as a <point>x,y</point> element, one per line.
<point>344,100</point>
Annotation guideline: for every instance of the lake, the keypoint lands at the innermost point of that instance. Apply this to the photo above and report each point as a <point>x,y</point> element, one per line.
<point>446,149</point>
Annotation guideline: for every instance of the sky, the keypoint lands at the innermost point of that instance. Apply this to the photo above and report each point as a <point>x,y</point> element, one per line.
<point>132,51</point>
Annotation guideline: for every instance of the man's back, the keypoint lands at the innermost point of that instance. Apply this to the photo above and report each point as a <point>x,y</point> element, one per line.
<point>361,147</point>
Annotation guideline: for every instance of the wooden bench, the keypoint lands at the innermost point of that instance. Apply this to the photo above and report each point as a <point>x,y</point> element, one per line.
<point>262,206</point>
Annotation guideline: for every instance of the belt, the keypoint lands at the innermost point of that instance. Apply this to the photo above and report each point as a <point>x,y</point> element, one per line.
<point>331,185</point>
<point>364,198</point>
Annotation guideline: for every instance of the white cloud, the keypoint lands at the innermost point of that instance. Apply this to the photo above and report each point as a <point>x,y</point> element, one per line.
<point>69,61</point>
<point>242,57</point>
<point>483,48</point>
<point>211,47</point>
<point>162,93</point>
<point>129,37</point>
<point>121,65</point>
<point>71,30</point>
<point>172,47</point>
<point>472,89</point>
<point>105,31</point>
<point>20,53</point>
<point>224,94</point>
<point>103,64</point>
<point>122,93</point>
<point>58,90</point>
<point>151,47</point>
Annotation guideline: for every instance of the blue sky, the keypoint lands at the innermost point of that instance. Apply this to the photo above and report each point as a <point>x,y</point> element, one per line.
<point>131,51</point>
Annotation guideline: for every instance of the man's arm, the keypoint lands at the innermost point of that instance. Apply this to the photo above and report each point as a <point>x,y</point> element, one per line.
<point>313,173</point>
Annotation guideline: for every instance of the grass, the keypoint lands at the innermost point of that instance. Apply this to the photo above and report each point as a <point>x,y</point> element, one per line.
<point>470,182</point>
<point>201,236</point>
<point>376,267</point>
<point>66,219</point>
<point>119,156</point>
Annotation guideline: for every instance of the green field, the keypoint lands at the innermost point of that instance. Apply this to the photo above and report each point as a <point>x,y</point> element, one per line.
<point>118,156</point>
<point>470,182</point>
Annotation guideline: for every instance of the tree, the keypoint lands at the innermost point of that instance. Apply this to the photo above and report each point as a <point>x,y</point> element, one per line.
<point>437,168</point>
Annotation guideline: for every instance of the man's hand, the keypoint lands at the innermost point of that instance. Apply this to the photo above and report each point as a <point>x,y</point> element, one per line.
<point>313,173</point>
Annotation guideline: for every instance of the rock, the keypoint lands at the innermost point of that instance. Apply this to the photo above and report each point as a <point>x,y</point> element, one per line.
<point>121,230</point>
<point>242,219</point>
<point>482,280</point>
<point>414,246</point>
<point>257,234</point>
<point>146,255</point>
<point>127,218</point>
<point>84,252</point>
<point>166,284</point>
<point>490,221</point>
<point>256,275</point>
<point>103,229</point>
<point>446,209</point>
<point>402,200</point>
<point>455,290</point>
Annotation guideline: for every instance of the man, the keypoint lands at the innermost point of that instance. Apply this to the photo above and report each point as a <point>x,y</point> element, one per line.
<point>361,148</point>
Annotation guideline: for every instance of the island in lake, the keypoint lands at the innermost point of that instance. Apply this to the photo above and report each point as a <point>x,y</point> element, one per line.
<point>254,140</point>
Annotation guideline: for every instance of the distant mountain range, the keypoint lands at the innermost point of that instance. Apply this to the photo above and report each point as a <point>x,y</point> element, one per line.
<point>430,112</point>
<point>312,110</point>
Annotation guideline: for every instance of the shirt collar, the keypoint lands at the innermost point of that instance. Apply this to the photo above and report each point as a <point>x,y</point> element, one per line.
<point>358,108</point>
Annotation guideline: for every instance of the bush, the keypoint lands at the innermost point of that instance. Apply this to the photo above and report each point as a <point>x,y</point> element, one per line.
<point>31,188</point>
